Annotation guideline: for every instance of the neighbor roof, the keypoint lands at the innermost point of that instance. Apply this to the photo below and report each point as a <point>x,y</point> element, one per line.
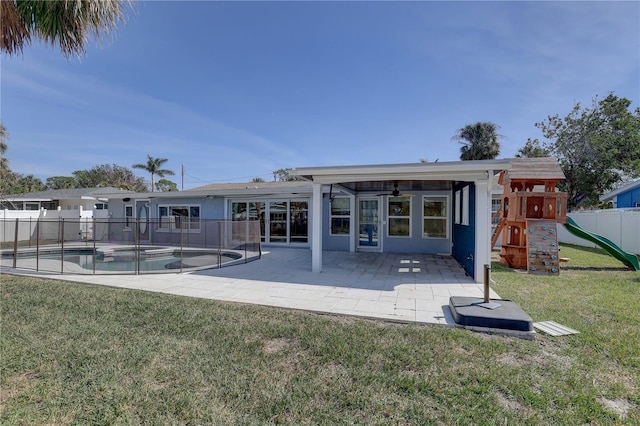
<point>625,188</point>
<point>68,194</point>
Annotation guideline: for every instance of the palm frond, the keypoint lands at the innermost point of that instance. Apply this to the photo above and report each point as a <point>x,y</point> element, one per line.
<point>14,31</point>
<point>64,23</point>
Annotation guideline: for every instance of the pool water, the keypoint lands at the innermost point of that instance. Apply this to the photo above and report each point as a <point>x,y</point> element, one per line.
<point>125,260</point>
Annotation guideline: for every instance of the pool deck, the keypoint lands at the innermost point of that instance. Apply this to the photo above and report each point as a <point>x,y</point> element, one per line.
<point>397,287</point>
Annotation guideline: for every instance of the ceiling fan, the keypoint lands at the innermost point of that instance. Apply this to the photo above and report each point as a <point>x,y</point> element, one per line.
<point>396,192</point>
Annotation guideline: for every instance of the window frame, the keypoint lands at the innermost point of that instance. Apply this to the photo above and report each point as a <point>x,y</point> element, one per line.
<point>465,206</point>
<point>128,218</point>
<point>391,217</point>
<point>343,217</point>
<point>192,222</point>
<point>447,200</point>
<point>457,207</point>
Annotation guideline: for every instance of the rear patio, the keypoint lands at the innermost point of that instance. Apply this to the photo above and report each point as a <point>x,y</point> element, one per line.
<point>389,286</point>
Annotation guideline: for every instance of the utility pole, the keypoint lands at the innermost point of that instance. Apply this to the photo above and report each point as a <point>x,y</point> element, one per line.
<point>182,177</point>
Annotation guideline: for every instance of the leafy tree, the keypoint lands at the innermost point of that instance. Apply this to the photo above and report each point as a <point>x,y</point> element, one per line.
<point>8,179</point>
<point>165,185</point>
<point>257,179</point>
<point>597,147</point>
<point>533,149</point>
<point>61,182</point>
<point>65,23</point>
<point>479,141</point>
<point>283,175</point>
<point>109,175</point>
<point>3,137</point>
<point>154,166</point>
<point>28,183</point>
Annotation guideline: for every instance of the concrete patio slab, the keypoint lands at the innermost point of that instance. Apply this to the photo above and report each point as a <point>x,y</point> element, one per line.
<point>398,287</point>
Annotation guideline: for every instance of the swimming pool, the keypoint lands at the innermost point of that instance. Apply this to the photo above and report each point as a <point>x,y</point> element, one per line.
<point>123,259</point>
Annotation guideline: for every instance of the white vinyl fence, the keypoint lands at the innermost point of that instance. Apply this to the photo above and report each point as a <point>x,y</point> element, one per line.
<point>621,226</point>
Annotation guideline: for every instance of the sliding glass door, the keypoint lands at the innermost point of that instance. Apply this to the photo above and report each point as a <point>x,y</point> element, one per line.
<point>281,221</point>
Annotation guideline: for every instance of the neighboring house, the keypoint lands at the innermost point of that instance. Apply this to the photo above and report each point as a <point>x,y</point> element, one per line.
<point>434,208</point>
<point>74,202</point>
<point>625,197</point>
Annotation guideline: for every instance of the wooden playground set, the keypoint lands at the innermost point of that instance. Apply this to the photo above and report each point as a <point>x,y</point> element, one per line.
<point>528,216</point>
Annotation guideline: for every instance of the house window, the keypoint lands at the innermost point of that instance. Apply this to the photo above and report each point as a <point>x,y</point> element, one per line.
<point>399,213</point>
<point>465,206</point>
<point>457,208</point>
<point>101,206</point>
<point>179,217</point>
<point>128,216</point>
<point>278,222</point>
<point>298,222</point>
<point>243,210</point>
<point>435,217</point>
<point>340,217</point>
<point>496,204</point>
<point>239,211</point>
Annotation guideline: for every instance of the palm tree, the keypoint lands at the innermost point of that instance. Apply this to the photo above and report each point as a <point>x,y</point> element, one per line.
<point>153,166</point>
<point>30,183</point>
<point>3,145</point>
<point>58,22</point>
<point>479,141</point>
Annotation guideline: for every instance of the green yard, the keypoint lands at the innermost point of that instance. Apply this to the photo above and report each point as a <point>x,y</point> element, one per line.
<point>81,354</point>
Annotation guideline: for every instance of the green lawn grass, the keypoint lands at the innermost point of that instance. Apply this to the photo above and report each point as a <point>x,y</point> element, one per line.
<point>81,354</point>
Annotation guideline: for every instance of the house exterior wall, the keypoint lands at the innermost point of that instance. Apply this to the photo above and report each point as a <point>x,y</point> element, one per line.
<point>333,242</point>
<point>464,236</point>
<point>629,198</point>
<point>416,243</point>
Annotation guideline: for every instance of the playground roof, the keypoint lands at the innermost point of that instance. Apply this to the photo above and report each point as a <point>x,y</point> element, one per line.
<point>532,169</point>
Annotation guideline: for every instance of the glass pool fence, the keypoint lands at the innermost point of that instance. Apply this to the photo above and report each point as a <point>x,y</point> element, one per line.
<point>106,246</point>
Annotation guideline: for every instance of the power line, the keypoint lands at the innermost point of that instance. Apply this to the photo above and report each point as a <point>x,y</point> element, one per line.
<point>226,180</point>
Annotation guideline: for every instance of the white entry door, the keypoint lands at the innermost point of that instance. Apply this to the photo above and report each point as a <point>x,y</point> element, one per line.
<point>369,224</point>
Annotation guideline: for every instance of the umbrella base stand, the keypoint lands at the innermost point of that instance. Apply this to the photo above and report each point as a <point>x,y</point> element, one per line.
<point>497,316</point>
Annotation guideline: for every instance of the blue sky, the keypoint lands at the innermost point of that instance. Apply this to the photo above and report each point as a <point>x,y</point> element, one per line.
<point>235,90</point>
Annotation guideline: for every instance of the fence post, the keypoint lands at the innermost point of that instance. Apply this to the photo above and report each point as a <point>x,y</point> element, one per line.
<point>136,236</point>
<point>62,246</point>
<point>219,244</point>
<point>15,245</point>
<point>94,246</point>
<point>246,238</point>
<point>181,242</point>
<point>38,244</point>
<point>29,231</point>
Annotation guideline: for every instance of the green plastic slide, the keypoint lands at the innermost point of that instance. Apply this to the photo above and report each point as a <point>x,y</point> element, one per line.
<point>630,260</point>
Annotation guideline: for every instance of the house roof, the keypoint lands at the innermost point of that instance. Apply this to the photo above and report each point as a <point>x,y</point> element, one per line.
<point>361,178</point>
<point>411,176</point>
<point>628,187</point>
<point>228,189</point>
<point>249,185</point>
<point>68,194</point>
